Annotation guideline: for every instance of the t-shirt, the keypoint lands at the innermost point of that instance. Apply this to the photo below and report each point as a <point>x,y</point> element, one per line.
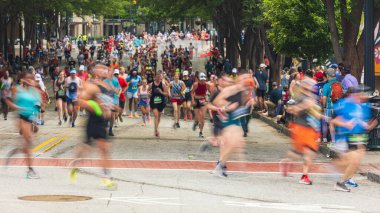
<point>83,76</point>
<point>115,84</point>
<point>276,95</point>
<point>72,87</point>
<point>262,78</point>
<point>133,83</point>
<point>349,110</point>
<point>123,84</point>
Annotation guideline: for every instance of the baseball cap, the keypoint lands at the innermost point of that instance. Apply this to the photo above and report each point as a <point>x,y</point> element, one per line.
<point>331,72</point>
<point>319,75</point>
<point>263,65</point>
<point>81,67</point>
<point>73,71</point>
<point>37,77</point>
<point>185,73</point>
<point>202,76</point>
<point>116,71</point>
<point>234,70</point>
<point>274,84</point>
<point>334,66</point>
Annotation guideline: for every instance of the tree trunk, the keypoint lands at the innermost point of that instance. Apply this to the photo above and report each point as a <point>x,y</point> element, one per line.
<point>333,29</point>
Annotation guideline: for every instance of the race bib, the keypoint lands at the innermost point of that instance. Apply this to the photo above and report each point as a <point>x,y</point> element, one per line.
<point>187,89</point>
<point>61,93</point>
<point>157,100</point>
<point>358,139</point>
<point>134,87</point>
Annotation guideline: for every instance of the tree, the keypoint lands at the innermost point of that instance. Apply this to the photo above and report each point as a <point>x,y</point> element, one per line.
<point>298,28</point>
<point>344,19</point>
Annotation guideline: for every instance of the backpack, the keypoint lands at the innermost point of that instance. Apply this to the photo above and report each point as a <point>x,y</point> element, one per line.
<point>336,91</point>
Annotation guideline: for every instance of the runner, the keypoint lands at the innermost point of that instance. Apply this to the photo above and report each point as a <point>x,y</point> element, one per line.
<point>72,85</point>
<point>352,123</point>
<point>113,82</point>
<point>144,101</point>
<point>133,83</point>
<point>5,87</point>
<point>123,85</point>
<point>187,101</point>
<point>177,89</point>
<point>199,102</point>
<point>159,91</point>
<point>232,106</point>
<point>25,97</point>
<point>60,97</point>
<point>304,129</point>
<point>95,98</point>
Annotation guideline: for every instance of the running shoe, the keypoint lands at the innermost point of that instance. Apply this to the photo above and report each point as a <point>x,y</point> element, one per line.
<point>305,180</point>
<point>341,187</point>
<point>130,115</point>
<point>65,118</point>
<point>201,135</point>
<point>72,124</point>
<point>157,134</point>
<point>185,118</point>
<point>195,126</point>
<point>59,123</point>
<point>73,175</point>
<point>351,183</point>
<point>219,171</point>
<point>109,184</point>
<point>191,117</point>
<point>137,115</point>
<point>110,133</point>
<point>224,165</point>
<point>10,154</point>
<point>245,134</point>
<point>31,174</point>
<point>174,126</point>
<point>178,126</point>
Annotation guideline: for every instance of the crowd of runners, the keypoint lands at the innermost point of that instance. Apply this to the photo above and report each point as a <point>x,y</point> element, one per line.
<point>120,77</point>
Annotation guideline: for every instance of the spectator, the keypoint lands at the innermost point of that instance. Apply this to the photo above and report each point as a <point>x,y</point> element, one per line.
<point>285,78</point>
<point>348,79</point>
<point>227,67</point>
<point>262,78</point>
<point>275,97</point>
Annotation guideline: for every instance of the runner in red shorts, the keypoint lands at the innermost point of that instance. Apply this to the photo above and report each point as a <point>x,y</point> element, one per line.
<point>177,90</point>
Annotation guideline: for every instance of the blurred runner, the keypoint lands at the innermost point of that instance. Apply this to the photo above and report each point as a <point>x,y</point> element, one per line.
<point>72,85</point>
<point>352,122</point>
<point>5,87</point>
<point>25,97</point>
<point>60,97</point>
<point>95,98</point>
<point>305,128</point>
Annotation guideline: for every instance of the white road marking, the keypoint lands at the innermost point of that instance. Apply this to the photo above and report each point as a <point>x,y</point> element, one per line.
<point>296,207</point>
<point>145,200</point>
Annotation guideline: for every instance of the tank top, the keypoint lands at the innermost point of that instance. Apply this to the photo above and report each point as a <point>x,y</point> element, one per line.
<point>144,94</point>
<point>201,90</point>
<point>105,96</point>
<point>177,88</point>
<point>72,90</point>
<point>188,84</point>
<point>157,97</point>
<point>6,85</point>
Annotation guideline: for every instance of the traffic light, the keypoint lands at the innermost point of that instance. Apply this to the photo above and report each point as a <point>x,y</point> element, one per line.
<point>134,2</point>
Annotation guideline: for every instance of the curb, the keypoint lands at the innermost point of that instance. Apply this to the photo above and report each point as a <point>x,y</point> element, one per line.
<point>373,176</point>
<point>271,122</point>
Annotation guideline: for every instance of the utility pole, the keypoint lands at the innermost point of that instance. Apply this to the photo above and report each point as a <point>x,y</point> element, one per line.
<point>369,62</point>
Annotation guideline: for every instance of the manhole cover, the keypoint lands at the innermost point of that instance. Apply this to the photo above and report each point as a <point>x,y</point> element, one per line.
<point>55,198</point>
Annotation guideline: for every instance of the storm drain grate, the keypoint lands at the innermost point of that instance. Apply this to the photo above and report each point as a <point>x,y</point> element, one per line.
<point>55,198</point>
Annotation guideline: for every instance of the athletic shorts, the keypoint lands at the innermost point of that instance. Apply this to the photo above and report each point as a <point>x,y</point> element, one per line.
<point>260,93</point>
<point>122,104</point>
<point>175,100</point>
<point>160,107</point>
<point>132,95</point>
<point>27,119</point>
<point>143,102</point>
<point>187,97</point>
<point>303,138</point>
<point>199,103</point>
<point>63,98</point>
<point>96,128</point>
<point>71,101</point>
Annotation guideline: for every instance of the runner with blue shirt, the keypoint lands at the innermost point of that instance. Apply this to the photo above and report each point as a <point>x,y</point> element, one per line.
<point>113,82</point>
<point>134,81</point>
<point>352,122</point>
